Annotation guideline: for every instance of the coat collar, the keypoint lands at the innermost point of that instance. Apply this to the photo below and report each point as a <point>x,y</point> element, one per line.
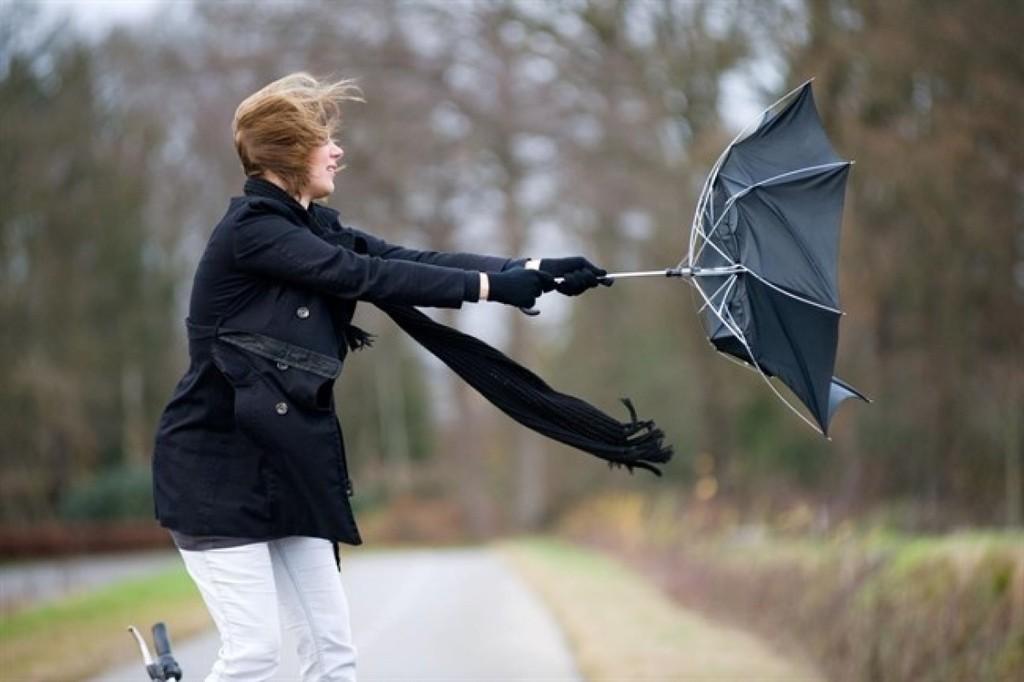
<point>257,186</point>
<point>317,216</point>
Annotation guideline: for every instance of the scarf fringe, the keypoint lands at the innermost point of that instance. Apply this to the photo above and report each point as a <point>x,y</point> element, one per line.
<point>357,339</point>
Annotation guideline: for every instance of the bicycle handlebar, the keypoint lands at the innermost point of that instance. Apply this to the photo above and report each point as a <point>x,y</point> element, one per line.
<point>162,642</point>
<point>165,667</point>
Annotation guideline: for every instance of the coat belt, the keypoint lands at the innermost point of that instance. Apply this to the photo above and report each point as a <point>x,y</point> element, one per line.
<point>201,335</point>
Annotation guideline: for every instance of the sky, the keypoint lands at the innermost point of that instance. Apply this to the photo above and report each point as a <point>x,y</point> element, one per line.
<point>95,17</point>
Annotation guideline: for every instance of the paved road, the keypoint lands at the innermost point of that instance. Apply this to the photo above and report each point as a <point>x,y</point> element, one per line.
<point>427,615</point>
<point>24,583</point>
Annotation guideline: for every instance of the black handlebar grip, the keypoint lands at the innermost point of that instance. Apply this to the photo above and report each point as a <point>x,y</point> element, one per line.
<point>162,643</point>
<point>160,639</point>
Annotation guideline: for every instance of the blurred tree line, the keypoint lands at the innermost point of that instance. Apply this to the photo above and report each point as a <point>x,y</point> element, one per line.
<point>541,129</point>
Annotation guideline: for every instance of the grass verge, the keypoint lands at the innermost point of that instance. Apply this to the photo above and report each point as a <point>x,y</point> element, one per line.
<point>621,627</point>
<point>865,603</point>
<point>80,636</point>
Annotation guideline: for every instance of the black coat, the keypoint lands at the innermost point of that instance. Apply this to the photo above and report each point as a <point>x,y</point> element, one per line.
<point>249,444</point>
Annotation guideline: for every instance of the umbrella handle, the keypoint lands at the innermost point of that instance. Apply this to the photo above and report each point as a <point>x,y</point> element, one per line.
<point>667,272</point>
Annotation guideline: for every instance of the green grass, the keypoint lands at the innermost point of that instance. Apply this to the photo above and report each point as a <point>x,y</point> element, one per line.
<point>621,627</point>
<point>913,549</point>
<point>76,636</point>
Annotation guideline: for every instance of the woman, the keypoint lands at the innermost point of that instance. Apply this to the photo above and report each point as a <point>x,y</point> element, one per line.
<point>249,468</point>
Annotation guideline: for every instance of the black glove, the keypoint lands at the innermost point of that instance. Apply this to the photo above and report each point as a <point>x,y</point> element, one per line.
<point>562,266</point>
<point>519,287</point>
<point>578,274</point>
<point>576,282</point>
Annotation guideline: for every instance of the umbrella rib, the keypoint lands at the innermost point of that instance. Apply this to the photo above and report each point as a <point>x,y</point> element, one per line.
<point>750,354</point>
<point>734,329</point>
<point>800,242</point>
<point>731,201</point>
<point>732,281</point>
<point>784,97</point>
<point>774,178</point>
<point>698,217</point>
<point>712,296</point>
<point>756,122</point>
<point>736,361</point>
<point>783,399</point>
<point>792,295</point>
<point>727,282</point>
<point>705,193</point>
<point>707,240</point>
<point>713,174</point>
<point>801,362</point>
<point>721,306</point>
<point>773,286</point>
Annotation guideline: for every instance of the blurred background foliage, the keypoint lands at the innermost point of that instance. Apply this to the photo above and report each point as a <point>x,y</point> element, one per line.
<point>540,129</point>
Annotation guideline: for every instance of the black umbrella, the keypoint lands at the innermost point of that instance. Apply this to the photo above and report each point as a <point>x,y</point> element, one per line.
<point>769,220</point>
<point>763,256</point>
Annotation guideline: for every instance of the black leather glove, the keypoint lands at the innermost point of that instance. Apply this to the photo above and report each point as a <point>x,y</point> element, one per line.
<point>519,287</point>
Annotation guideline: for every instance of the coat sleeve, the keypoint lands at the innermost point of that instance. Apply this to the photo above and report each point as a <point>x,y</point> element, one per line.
<point>269,245</point>
<point>465,261</point>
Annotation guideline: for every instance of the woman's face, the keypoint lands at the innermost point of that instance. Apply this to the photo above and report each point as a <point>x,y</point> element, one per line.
<point>323,164</point>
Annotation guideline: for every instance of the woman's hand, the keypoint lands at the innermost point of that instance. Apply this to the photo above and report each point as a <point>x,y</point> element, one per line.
<point>578,274</point>
<point>518,287</point>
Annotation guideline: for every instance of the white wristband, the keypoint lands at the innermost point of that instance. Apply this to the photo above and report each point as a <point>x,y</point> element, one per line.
<point>532,264</point>
<point>485,286</point>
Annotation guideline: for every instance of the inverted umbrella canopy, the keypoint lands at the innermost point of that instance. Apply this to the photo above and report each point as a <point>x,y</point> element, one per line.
<point>764,249</point>
<point>764,254</point>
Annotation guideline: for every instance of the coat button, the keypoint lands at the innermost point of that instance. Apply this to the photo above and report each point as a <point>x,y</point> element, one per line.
<point>348,488</point>
<point>282,366</point>
<point>302,311</point>
<point>282,408</point>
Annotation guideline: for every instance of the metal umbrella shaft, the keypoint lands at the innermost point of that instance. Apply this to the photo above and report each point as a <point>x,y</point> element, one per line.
<point>682,271</point>
<point>679,271</point>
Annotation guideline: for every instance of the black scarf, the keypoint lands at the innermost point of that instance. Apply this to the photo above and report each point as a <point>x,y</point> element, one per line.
<point>512,388</point>
<point>525,397</point>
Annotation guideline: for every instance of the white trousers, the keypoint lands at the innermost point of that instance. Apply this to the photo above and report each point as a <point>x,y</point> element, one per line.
<point>252,590</point>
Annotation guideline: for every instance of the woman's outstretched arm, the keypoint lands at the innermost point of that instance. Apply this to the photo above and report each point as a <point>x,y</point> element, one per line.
<point>267,244</point>
<point>375,246</point>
